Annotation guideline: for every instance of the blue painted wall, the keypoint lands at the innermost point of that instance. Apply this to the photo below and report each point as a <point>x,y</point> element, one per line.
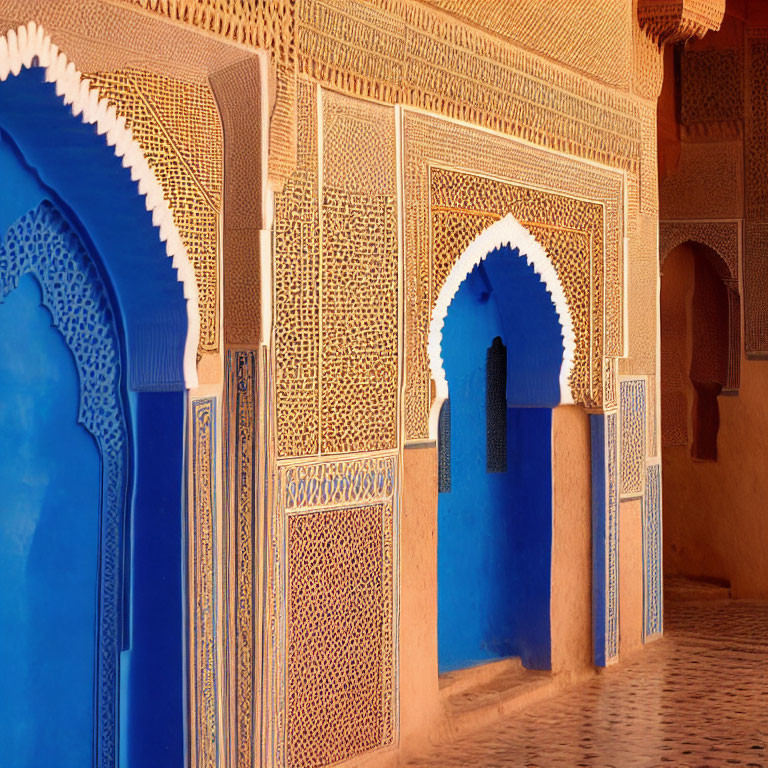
<point>495,529</point>
<point>49,544</point>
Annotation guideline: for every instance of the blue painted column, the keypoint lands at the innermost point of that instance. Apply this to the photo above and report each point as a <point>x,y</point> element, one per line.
<point>605,539</point>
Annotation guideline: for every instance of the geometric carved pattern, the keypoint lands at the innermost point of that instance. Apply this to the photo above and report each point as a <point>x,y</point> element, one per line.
<point>569,230</point>
<point>396,52</point>
<point>203,680</point>
<point>340,616</point>
<point>242,444</point>
<point>336,278</point>
<point>653,601</point>
<point>336,659</point>
<point>177,126</point>
<point>632,395</point>
<point>605,538</point>
<point>431,146</point>
<point>297,292</point>
<point>41,243</point>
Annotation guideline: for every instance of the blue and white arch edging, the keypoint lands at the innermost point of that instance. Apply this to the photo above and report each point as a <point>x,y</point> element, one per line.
<point>28,47</point>
<point>505,232</point>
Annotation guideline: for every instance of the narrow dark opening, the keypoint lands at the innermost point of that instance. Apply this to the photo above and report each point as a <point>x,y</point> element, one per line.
<point>444,448</point>
<point>496,407</point>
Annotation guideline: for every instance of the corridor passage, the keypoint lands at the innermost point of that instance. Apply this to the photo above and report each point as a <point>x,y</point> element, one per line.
<point>696,698</point>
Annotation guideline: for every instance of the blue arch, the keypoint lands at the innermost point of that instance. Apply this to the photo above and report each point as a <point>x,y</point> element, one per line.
<point>72,159</point>
<point>495,527</point>
<point>53,164</point>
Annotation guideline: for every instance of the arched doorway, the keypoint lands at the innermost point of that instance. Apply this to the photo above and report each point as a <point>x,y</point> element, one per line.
<point>503,370</point>
<point>95,364</point>
<point>700,358</point>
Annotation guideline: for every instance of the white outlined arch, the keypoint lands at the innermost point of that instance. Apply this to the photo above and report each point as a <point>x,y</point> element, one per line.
<point>505,232</point>
<point>29,46</point>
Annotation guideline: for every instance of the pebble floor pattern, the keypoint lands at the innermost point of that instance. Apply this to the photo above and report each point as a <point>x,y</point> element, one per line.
<point>697,698</point>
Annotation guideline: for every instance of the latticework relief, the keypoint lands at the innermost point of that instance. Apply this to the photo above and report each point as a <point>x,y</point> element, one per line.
<point>297,294</point>
<point>653,579</point>
<point>710,87</point>
<point>633,424</point>
<point>204,737</point>
<point>584,207</point>
<point>336,283</point>
<point>339,524</point>
<point>177,126</point>
<point>359,283</point>
<point>570,230</point>
<point>43,244</point>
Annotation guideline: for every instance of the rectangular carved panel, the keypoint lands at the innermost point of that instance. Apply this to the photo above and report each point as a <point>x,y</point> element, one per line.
<point>632,410</point>
<point>340,696</point>
<point>359,283</point>
<point>297,294</point>
<point>204,736</point>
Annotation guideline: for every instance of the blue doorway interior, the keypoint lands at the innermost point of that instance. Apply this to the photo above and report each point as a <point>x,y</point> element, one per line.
<point>502,350</point>
<point>92,402</point>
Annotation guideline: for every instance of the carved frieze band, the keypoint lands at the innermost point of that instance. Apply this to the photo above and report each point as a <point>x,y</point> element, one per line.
<point>204,679</point>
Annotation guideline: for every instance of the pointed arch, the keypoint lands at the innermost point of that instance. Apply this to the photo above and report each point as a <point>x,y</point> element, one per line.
<point>506,232</point>
<point>29,47</point>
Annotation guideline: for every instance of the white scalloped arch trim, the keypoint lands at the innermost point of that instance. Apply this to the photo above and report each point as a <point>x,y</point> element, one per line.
<point>19,49</point>
<point>505,232</point>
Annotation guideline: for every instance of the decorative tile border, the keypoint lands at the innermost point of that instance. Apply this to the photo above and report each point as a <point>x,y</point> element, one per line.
<point>605,539</point>
<point>653,574</point>
<point>204,682</point>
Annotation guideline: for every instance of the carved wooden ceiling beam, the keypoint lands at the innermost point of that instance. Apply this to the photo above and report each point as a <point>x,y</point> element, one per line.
<point>672,21</point>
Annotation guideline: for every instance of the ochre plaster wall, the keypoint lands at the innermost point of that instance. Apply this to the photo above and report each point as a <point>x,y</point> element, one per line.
<point>419,694</point>
<point>571,602</point>
<point>630,576</point>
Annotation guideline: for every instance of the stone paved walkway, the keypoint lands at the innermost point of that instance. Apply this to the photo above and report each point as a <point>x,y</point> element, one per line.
<point>698,698</point>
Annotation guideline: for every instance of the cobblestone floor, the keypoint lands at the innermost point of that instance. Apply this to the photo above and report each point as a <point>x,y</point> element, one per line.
<point>698,698</point>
